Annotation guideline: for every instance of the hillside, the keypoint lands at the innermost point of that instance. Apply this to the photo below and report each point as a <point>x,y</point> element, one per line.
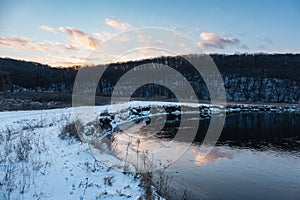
<point>269,78</point>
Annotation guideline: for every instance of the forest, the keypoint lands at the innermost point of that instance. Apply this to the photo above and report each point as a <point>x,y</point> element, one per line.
<point>269,78</point>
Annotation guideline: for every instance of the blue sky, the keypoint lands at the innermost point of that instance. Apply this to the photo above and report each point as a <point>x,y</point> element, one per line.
<point>64,32</point>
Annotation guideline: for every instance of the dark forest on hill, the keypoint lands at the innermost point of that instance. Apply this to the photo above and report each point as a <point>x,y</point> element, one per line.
<point>247,77</point>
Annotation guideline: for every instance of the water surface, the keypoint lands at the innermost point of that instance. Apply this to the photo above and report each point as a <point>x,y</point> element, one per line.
<point>257,157</point>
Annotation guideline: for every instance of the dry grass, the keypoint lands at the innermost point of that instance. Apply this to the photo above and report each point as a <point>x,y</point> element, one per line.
<point>71,131</point>
<point>17,163</point>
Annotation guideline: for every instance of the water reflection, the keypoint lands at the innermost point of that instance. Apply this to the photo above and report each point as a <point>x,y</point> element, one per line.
<point>215,154</point>
<point>260,130</point>
<point>235,173</point>
<point>145,151</point>
<point>257,156</point>
<point>263,130</point>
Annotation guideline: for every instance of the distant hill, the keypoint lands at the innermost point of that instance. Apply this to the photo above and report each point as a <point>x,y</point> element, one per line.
<point>31,75</point>
<point>257,77</point>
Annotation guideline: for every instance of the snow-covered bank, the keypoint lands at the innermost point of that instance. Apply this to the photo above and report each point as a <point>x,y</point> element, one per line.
<point>36,164</point>
<point>123,113</point>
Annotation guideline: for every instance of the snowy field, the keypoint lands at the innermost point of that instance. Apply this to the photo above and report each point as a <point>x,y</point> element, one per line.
<point>36,163</point>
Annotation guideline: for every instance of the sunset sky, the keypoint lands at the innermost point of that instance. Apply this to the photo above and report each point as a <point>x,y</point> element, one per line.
<point>64,33</point>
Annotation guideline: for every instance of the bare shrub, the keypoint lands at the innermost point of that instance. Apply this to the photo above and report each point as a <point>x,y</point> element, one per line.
<point>22,148</point>
<point>69,131</point>
<point>17,163</point>
<point>155,182</point>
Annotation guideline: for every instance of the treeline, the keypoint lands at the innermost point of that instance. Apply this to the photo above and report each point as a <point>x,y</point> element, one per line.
<point>247,77</point>
<point>18,75</point>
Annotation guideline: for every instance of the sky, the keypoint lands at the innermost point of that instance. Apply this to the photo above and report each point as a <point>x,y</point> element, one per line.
<point>65,33</point>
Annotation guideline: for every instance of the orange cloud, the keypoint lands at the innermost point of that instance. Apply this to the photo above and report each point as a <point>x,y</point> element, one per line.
<point>27,44</point>
<point>70,47</point>
<point>18,43</point>
<point>81,38</point>
<point>117,24</point>
<point>48,28</point>
<point>103,35</point>
<point>210,37</point>
<point>215,41</point>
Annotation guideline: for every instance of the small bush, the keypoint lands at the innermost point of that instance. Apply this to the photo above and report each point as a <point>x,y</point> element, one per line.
<point>18,163</point>
<point>69,131</point>
<point>22,149</point>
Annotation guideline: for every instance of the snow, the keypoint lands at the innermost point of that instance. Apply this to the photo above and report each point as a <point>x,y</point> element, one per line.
<point>68,169</point>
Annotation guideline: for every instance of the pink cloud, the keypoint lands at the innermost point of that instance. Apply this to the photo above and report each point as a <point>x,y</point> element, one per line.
<point>215,41</point>
<point>18,43</point>
<point>27,44</point>
<point>81,38</point>
<point>48,28</point>
<point>212,40</point>
<point>117,24</point>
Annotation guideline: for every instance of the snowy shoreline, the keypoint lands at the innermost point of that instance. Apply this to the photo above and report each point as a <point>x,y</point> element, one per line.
<point>54,168</point>
<point>47,167</point>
